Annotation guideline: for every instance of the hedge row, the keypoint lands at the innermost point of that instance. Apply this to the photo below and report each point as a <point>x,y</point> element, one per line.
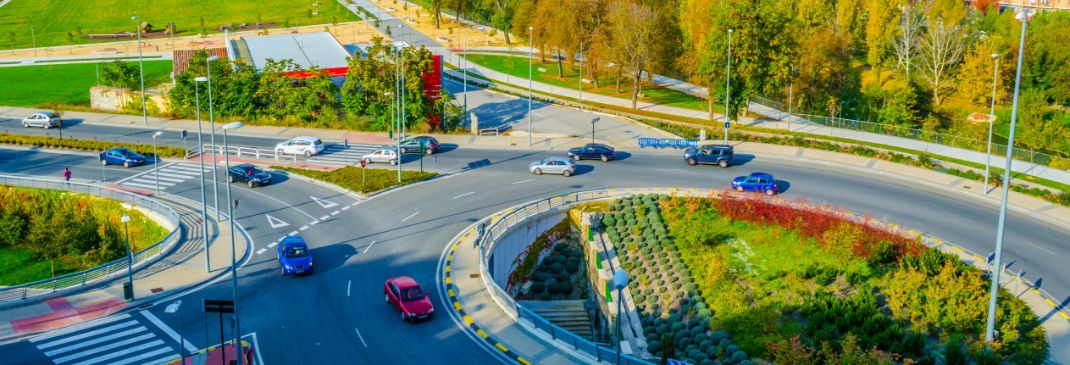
<point>349,177</point>
<point>87,145</point>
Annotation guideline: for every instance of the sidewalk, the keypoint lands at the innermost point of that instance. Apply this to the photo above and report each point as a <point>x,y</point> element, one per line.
<point>178,270</point>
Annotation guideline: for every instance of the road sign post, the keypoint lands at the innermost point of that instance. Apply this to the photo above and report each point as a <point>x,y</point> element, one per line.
<point>221,306</point>
<point>363,164</point>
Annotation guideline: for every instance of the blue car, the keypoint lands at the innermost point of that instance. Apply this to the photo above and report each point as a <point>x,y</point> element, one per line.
<point>714,154</point>
<point>121,156</point>
<point>294,256</point>
<point>757,181</point>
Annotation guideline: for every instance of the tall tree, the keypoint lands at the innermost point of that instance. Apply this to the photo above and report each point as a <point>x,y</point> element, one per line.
<point>906,46</point>
<point>879,32</point>
<point>942,48</point>
<point>975,81</point>
<point>698,18</point>
<point>436,5</point>
<point>502,16</point>
<point>633,27</point>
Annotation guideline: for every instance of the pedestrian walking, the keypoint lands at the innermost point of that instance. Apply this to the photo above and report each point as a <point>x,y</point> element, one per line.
<point>67,175</point>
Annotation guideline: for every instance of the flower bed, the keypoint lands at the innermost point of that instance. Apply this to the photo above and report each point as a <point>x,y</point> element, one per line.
<point>720,279</point>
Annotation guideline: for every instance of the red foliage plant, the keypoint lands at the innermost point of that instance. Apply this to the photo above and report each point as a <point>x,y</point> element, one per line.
<point>815,221</point>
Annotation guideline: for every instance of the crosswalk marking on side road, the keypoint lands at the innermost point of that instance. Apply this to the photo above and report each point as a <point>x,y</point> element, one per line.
<point>118,340</point>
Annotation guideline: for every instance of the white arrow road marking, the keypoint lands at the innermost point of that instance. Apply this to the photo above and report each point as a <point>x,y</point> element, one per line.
<point>275,222</point>
<point>326,204</point>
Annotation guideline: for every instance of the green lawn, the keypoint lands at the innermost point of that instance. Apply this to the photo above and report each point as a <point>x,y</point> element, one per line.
<point>70,22</point>
<point>31,86</point>
<point>19,267</point>
<point>547,74</point>
<point>349,177</point>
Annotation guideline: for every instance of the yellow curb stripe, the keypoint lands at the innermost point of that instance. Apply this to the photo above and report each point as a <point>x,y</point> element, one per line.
<point>471,231</point>
<point>452,294</point>
<point>467,320</point>
<point>1064,315</point>
<point>481,333</point>
<point>447,268</point>
<point>454,249</point>
<point>1051,303</point>
<point>501,347</point>
<point>449,258</point>
<point>523,361</point>
<point>457,305</point>
<point>449,281</point>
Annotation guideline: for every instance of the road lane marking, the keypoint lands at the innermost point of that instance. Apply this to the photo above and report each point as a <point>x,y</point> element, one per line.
<point>294,233</point>
<point>314,223</point>
<point>345,208</point>
<point>275,222</point>
<point>326,204</point>
<point>369,246</point>
<point>260,251</point>
<point>170,332</point>
<point>409,217</point>
<point>462,195</point>
<point>323,218</point>
<point>523,181</point>
<point>81,344</point>
<point>303,228</point>
<point>361,337</point>
<point>335,212</point>
<point>82,335</point>
<point>348,286</point>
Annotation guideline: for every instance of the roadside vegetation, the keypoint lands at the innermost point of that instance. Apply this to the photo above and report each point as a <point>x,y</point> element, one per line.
<point>45,233</point>
<point>560,274</point>
<point>349,177</point>
<point>789,285</point>
<point>63,86</point>
<point>71,22</point>
<point>87,145</point>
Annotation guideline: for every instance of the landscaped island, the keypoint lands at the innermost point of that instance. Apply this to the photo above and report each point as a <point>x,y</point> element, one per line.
<point>73,232</point>
<point>731,279</point>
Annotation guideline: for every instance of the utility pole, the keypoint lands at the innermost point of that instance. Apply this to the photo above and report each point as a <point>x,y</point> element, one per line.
<point>728,88</point>
<point>991,120</point>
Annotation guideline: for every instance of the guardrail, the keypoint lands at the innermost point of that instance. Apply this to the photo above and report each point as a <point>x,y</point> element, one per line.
<point>254,152</point>
<point>102,272</point>
<point>667,142</point>
<point>500,227</point>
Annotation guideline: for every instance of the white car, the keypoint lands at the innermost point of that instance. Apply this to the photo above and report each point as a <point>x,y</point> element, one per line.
<point>385,154</point>
<point>302,145</point>
<point>42,119</point>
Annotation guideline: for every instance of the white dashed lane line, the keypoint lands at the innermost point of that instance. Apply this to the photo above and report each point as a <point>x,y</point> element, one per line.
<point>261,251</point>
<point>323,218</point>
<point>335,212</point>
<point>409,217</point>
<point>523,181</point>
<point>369,246</point>
<point>462,195</point>
<point>345,208</point>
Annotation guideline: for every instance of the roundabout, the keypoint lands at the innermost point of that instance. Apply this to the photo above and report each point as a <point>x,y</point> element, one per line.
<point>336,315</point>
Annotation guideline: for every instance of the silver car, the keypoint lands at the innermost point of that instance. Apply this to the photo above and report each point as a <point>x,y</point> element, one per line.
<point>553,165</point>
<point>42,119</point>
<point>385,154</point>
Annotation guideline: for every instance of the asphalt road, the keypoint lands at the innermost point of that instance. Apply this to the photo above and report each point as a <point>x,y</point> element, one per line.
<point>328,317</point>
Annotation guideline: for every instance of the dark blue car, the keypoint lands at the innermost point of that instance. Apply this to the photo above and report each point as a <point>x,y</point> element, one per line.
<point>121,156</point>
<point>294,256</point>
<point>592,151</point>
<point>714,154</point>
<point>757,181</point>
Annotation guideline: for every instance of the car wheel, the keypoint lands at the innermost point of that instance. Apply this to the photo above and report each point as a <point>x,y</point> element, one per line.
<point>126,164</point>
<point>429,152</point>
<point>605,158</point>
<point>691,161</point>
<point>367,161</point>
<point>537,171</point>
<point>567,173</point>
<point>308,153</point>
<point>230,179</point>
<point>103,162</point>
<point>47,125</point>
<point>393,162</point>
<point>770,192</point>
<point>575,157</point>
<point>386,298</point>
<point>723,163</point>
<point>739,189</point>
<point>252,184</point>
<point>25,125</point>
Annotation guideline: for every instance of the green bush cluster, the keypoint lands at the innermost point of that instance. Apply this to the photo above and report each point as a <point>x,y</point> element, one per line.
<point>87,145</point>
<point>349,177</point>
<point>80,231</point>
<point>560,275</point>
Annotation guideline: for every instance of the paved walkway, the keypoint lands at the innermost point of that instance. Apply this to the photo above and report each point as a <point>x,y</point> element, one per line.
<point>181,269</point>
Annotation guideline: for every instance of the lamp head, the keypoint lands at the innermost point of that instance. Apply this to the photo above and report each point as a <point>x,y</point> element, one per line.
<point>730,30</point>
<point>620,279</point>
<point>995,56</point>
<point>125,218</point>
<point>200,79</point>
<point>157,134</point>
<point>213,58</point>
<point>233,125</point>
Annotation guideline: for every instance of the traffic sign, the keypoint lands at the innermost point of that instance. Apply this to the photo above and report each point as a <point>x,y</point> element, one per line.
<point>363,163</point>
<point>218,306</point>
<point>727,125</point>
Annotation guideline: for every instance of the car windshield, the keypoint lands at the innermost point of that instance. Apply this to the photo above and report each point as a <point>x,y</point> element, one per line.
<point>53,115</point>
<point>251,170</point>
<point>124,152</point>
<point>296,252</point>
<point>410,294</point>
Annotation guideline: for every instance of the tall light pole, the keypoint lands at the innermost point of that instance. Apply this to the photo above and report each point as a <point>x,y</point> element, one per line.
<point>990,326</point>
<point>620,281</point>
<point>33,37</point>
<point>728,88</point>
<point>200,147</point>
<point>211,121</point>
<point>156,161</point>
<point>141,67</point>
<point>401,115</point>
<point>531,54</point>
<point>129,257</point>
<point>791,94</point>
<point>465,67</point>
<point>233,254</point>
<point>593,121</point>
<point>991,119</point>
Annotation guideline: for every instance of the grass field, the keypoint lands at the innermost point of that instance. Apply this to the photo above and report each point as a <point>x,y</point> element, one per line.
<point>68,84</point>
<point>70,22</point>
<point>349,177</point>
<point>19,267</point>
<point>547,73</point>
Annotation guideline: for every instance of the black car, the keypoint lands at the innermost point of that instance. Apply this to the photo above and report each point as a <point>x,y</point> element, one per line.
<point>714,154</point>
<point>249,174</point>
<point>427,144</point>
<point>592,151</point>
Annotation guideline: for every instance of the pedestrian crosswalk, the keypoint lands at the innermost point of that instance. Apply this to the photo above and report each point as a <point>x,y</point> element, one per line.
<point>169,175</point>
<point>339,155</point>
<point>118,340</point>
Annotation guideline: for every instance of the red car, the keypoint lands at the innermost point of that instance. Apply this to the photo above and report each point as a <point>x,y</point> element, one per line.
<point>409,298</point>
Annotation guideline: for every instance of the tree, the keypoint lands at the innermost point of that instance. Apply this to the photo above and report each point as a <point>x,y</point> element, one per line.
<point>697,20</point>
<point>942,48</point>
<point>905,45</point>
<point>502,17</point>
<point>120,74</point>
<point>849,21</point>
<point>632,26</point>
<point>975,82</point>
<point>369,79</point>
<point>879,35</point>
<point>437,6</point>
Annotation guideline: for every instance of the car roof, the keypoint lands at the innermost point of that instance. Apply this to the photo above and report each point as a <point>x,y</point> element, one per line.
<point>717,146</point>
<point>305,138</point>
<point>293,240</point>
<point>557,158</point>
<point>243,166</point>
<point>120,149</point>
<point>598,145</point>
<point>761,174</point>
<point>404,282</point>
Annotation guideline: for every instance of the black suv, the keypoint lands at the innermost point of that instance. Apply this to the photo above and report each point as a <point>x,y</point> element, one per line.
<point>592,151</point>
<point>714,154</point>
<point>248,174</point>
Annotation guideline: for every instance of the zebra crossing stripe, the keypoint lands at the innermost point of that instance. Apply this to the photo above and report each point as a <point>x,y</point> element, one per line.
<point>76,328</point>
<point>94,341</point>
<point>127,351</point>
<point>137,185</point>
<point>99,349</point>
<point>148,180</point>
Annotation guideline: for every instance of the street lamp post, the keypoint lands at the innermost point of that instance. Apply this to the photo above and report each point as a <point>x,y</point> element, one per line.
<point>33,37</point>
<point>200,147</point>
<point>211,121</point>
<point>791,95</point>
<point>990,326</point>
<point>991,119</point>
<point>401,115</point>
<point>620,281</point>
<point>141,67</point>
<point>156,161</point>
<point>728,88</point>
<point>465,117</point>
<point>129,257</point>
<point>233,254</point>
<point>531,54</point>
<point>593,121</point>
